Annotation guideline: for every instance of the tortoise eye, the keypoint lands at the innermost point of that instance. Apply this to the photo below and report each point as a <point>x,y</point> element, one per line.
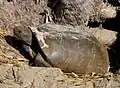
<point>19,31</point>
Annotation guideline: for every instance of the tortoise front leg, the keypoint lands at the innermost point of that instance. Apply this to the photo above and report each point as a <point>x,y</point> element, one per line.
<point>39,61</point>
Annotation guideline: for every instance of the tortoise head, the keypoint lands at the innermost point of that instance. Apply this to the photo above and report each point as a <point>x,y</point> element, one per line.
<point>23,34</point>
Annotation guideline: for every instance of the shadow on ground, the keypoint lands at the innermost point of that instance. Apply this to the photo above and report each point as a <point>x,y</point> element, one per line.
<point>19,46</point>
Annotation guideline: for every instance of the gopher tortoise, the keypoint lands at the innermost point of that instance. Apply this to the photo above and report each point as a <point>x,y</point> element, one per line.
<point>71,51</point>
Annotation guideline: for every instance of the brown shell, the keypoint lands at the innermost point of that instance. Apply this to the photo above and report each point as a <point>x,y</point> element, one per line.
<point>74,52</point>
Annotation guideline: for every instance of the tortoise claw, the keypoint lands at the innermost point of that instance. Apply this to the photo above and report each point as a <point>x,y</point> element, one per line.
<point>45,46</point>
<point>48,18</point>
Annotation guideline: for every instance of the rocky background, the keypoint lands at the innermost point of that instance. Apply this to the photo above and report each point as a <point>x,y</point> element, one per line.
<point>15,71</point>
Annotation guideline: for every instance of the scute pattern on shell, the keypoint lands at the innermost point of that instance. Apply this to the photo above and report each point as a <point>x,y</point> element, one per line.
<point>74,51</point>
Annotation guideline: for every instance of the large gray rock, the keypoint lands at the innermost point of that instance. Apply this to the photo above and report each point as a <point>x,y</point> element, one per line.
<point>106,37</point>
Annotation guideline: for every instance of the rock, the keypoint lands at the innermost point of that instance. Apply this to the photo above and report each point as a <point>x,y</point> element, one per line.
<point>103,11</point>
<point>73,51</point>
<point>79,12</point>
<point>106,37</point>
<point>42,77</point>
<point>31,77</point>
